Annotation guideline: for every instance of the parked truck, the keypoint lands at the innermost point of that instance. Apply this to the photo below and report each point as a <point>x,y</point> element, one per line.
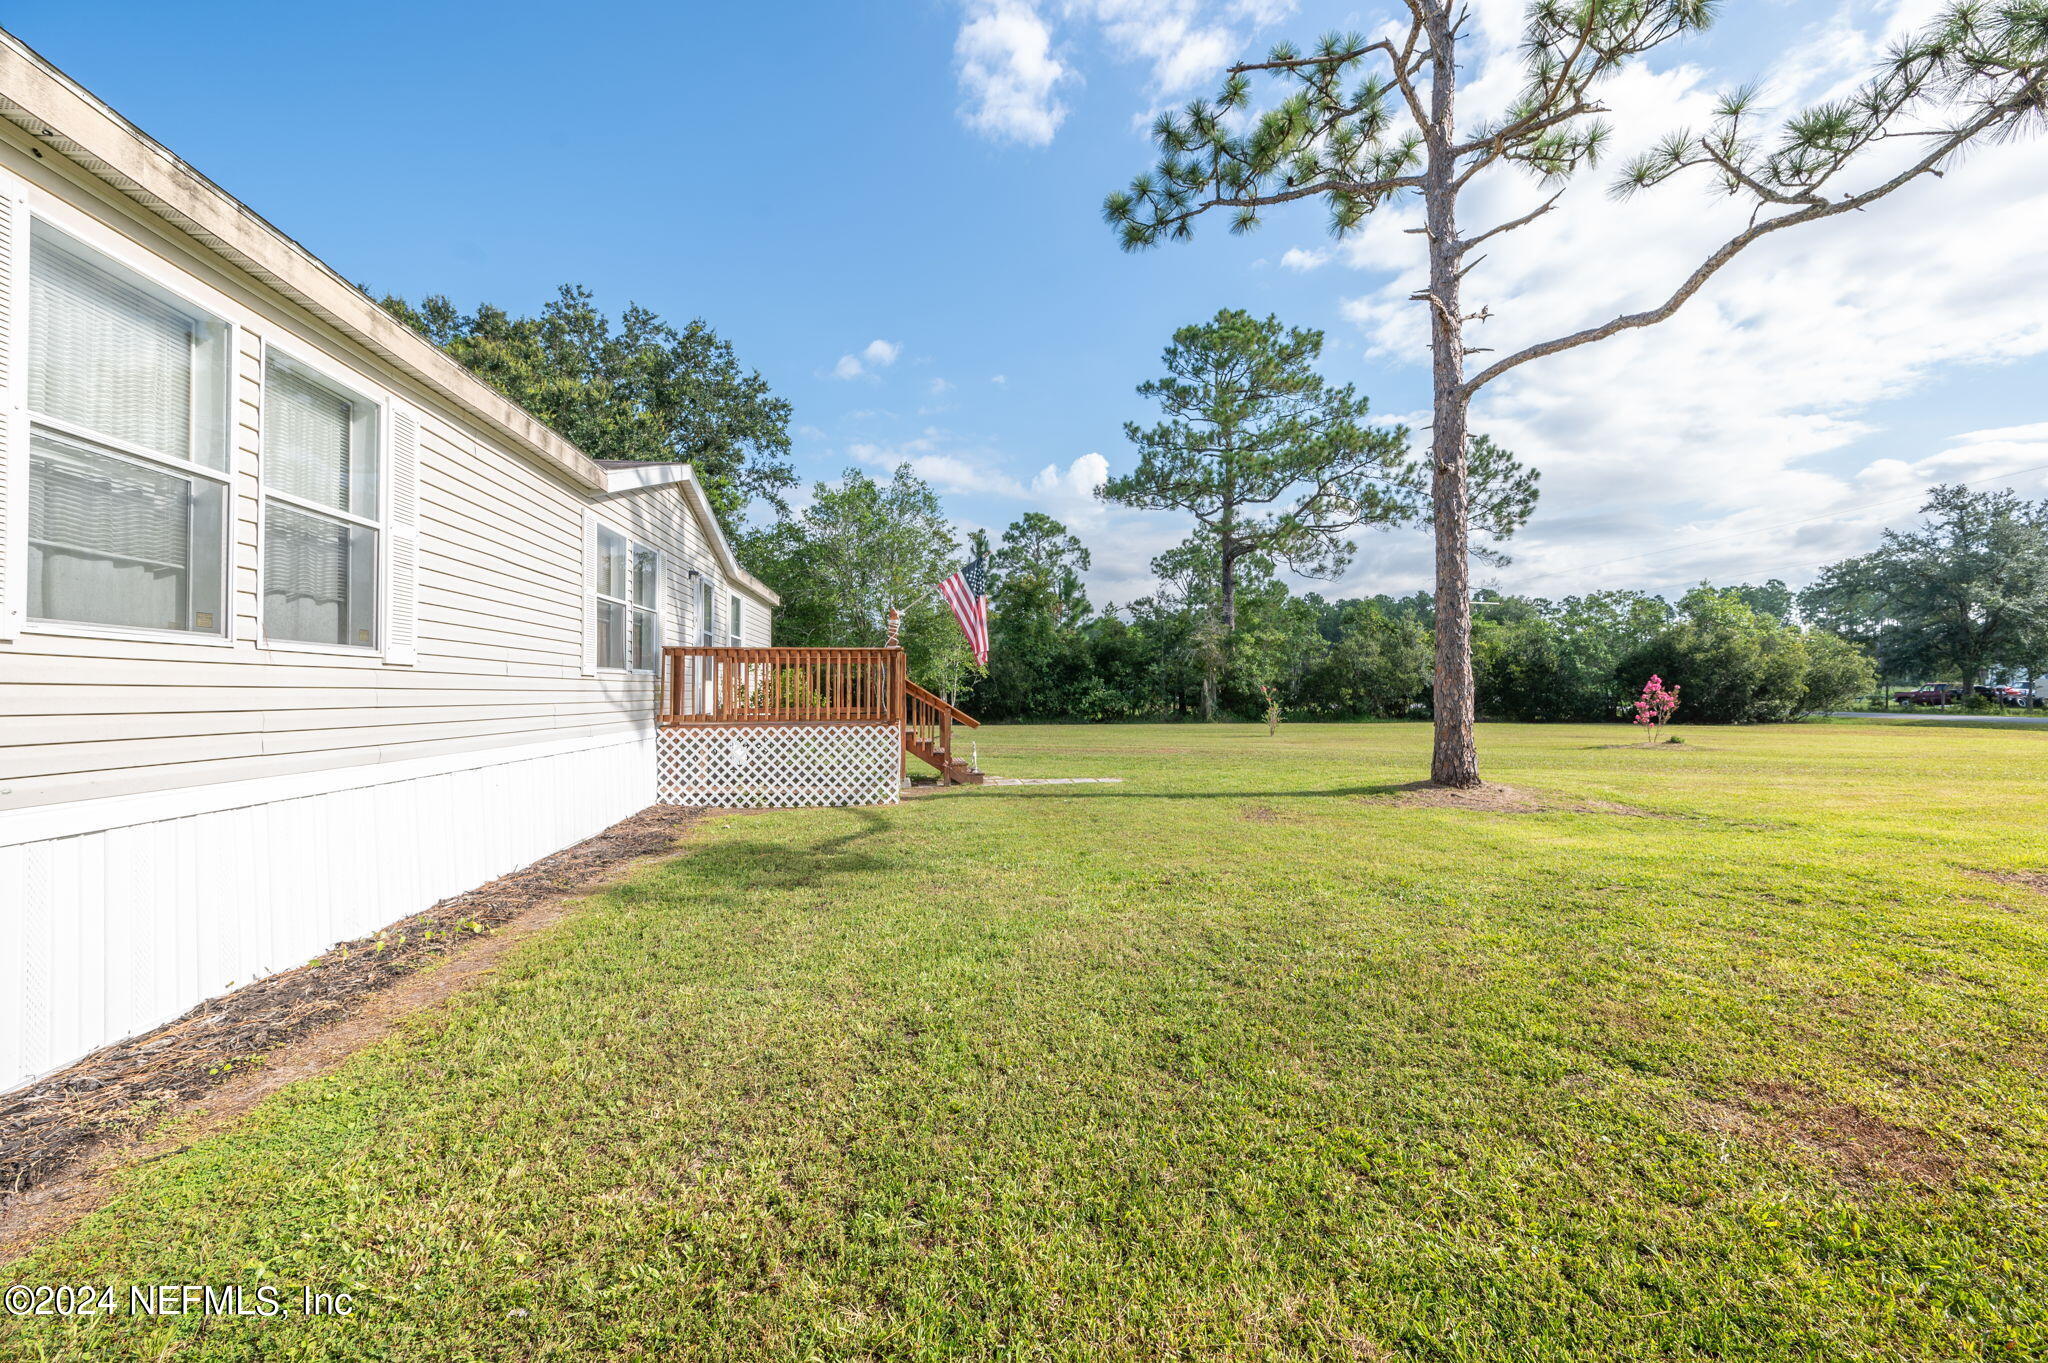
<point>1942,693</point>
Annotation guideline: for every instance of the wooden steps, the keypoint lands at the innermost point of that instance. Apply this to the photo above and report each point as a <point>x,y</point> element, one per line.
<point>928,734</point>
<point>950,769</point>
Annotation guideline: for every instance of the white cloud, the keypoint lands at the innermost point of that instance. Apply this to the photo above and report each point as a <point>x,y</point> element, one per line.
<point>1183,45</point>
<point>1122,542</point>
<point>999,380</point>
<point>936,387</point>
<point>1009,73</point>
<point>877,354</point>
<point>1298,259</point>
<point>1070,492</point>
<point>935,457</point>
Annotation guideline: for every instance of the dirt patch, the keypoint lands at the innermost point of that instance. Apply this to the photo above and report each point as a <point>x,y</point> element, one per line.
<point>2032,880</point>
<point>1662,745</point>
<point>1498,799</point>
<point>1857,1146</point>
<point>115,1094</point>
<point>1260,814</point>
<point>1488,798</point>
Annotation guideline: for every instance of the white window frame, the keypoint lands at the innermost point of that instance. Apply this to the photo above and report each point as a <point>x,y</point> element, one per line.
<point>125,254</point>
<point>706,606</point>
<point>732,620</point>
<point>597,597</point>
<point>346,379</point>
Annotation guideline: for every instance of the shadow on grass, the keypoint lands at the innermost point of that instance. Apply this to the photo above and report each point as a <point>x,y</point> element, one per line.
<point>1383,789</point>
<point>1388,795</point>
<point>2008,726</point>
<point>789,865</point>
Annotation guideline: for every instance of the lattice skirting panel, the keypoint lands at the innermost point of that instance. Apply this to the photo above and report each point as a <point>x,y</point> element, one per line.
<point>779,765</point>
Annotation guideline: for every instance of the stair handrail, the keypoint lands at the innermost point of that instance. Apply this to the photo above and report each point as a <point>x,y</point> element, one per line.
<point>959,715</point>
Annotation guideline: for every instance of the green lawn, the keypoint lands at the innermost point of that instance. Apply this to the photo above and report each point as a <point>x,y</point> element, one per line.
<point>1241,1058</point>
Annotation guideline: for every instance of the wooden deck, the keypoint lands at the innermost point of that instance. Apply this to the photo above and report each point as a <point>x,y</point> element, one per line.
<point>714,685</point>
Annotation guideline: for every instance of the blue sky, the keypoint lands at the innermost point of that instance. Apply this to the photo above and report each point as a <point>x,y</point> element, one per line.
<point>892,211</point>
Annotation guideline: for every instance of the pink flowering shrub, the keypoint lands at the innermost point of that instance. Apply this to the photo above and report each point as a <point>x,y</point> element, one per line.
<point>1272,710</point>
<point>1654,707</point>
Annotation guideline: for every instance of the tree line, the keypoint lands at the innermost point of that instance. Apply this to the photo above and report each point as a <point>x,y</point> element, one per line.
<point>1275,469</point>
<point>1964,595</point>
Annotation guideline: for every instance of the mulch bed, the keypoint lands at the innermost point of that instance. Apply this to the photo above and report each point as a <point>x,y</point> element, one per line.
<point>53,1123</point>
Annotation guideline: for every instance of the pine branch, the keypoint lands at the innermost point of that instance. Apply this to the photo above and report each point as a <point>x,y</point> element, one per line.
<point>1511,224</point>
<point>1733,247</point>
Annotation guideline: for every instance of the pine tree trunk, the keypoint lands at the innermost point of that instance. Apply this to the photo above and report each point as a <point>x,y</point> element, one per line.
<point>1229,593</point>
<point>1455,759</point>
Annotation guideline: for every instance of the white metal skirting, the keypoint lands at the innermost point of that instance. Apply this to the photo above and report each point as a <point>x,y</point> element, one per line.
<point>110,932</point>
<point>780,765</point>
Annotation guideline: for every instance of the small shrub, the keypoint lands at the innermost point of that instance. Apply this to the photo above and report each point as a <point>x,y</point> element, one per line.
<point>1654,707</point>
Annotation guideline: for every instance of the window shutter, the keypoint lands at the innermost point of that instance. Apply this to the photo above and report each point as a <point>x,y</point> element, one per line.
<point>402,580</point>
<point>590,576</point>
<point>663,599</point>
<point>13,417</point>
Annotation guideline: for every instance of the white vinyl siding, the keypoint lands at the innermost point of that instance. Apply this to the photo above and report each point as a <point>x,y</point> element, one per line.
<point>13,472</point>
<point>499,608</point>
<point>185,800</point>
<point>111,931</point>
<point>700,597</point>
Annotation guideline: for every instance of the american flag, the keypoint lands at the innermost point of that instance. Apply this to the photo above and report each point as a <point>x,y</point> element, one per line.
<point>967,593</point>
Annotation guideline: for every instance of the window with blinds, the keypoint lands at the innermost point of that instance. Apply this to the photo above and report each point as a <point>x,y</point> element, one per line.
<point>321,459</point>
<point>628,603</point>
<point>128,498</point>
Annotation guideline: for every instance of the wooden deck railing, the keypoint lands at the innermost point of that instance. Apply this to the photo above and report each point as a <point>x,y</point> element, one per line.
<point>928,726</point>
<point>718,685</point>
<point>709,684</point>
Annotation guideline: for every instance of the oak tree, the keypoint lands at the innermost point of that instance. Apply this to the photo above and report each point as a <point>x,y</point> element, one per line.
<point>637,388</point>
<point>1962,594</point>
